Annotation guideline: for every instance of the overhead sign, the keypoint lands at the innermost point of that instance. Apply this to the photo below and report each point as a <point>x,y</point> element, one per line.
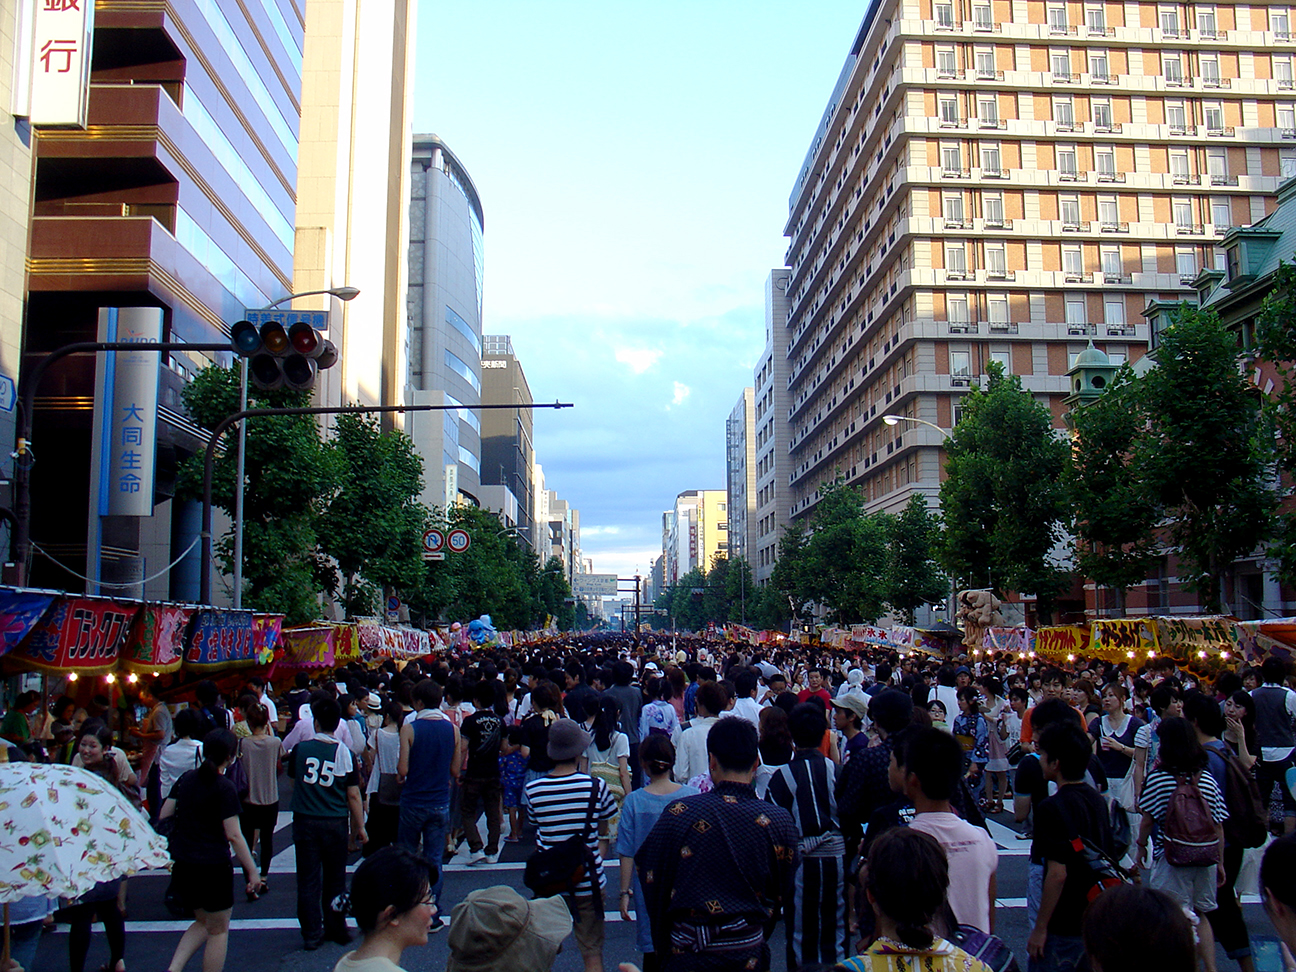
<point>131,391</point>
<point>458,541</point>
<point>52,70</point>
<point>594,585</point>
<point>318,319</point>
<point>433,540</point>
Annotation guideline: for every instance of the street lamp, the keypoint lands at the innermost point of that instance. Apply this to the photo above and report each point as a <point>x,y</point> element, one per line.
<point>892,419</point>
<point>341,293</point>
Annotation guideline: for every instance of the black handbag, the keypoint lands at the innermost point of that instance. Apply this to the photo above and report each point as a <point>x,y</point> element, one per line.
<point>561,868</point>
<point>389,786</point>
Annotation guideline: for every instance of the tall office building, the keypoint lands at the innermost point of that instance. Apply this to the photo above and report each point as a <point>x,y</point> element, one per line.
<point>562,521</point>
<point>352,223</point>
<point>1003,181</point>
<point>172,210</point>
<point>770,415</point>
<point>444,306</point>
<point>740,475</point>
<point>694,532</point>
<point>507,450</point>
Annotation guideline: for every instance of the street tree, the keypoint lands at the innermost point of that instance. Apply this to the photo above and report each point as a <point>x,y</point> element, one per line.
<point>1002,500</point>
<point>1114,515</point>
<point>913,577</point>
<point>845,559</point>
<point>1275,343</point>
<point>1206,453</point>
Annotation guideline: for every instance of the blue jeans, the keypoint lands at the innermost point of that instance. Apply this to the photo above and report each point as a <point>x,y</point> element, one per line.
<point>428,825</point>
<point>1061,954</point>
<point>1034,893</point>
<point>23,942</point>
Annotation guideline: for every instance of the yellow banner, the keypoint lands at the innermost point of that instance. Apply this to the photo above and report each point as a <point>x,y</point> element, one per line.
<point>1059,642</point>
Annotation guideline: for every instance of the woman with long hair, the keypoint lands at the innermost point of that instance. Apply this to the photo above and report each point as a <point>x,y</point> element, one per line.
<point>907,879</point>
<point>1116,735</point>
<point>206,810</point>
<point>261,753</point>
<point>775,745</point>
<point>391,901</point>
<point>608,755</point>
<point>383,788</point>
<point>546,706</point>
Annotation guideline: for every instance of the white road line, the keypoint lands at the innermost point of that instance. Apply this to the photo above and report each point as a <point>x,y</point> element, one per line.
<point>1007,839</point>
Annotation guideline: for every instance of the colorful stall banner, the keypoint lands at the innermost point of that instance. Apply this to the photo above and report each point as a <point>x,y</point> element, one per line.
<point>1062,642</point>
<point>156,639</point>
<point>1019,640</point>
<point>1114,639</point>
<point>267,635</point>
<point>903,637</point>
<point>221,638</point>
<point>19,612</point>
<point>346,644</point>
<point>78,634</point>
<point>310,647</point>
<point>1194,640</point>
<point>1258,640</point>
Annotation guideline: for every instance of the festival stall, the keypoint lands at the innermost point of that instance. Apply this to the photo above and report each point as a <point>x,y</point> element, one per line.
<point>1207,644</point>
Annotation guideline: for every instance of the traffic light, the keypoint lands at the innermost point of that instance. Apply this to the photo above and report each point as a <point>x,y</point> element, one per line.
<point>279,357</point>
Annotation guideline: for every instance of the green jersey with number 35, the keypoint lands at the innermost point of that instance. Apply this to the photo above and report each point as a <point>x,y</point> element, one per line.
<point>322,769</point>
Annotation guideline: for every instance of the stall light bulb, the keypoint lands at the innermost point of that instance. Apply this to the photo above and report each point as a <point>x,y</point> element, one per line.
<point>1129,654</point>
<point>1151,654</point>
<point>72,676</point>
<point>155,674</point>
<point>1223,654</point>
<point>1070,658</point>
<point>1201,654</point>
<point>110,678</point>
<point>132,678</point>
<point>1032,654</point>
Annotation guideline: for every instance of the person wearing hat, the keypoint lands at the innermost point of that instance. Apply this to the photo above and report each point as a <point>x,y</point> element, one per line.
<point>849,713</point>
<point>559,806</point>
<point>496,928</point>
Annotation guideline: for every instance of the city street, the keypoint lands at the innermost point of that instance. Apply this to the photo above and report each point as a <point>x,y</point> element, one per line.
<point>265,934</point>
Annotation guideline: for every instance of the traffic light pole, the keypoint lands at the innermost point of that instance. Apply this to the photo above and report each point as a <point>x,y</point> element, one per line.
<point>209,457</point>
<point>23,456</point>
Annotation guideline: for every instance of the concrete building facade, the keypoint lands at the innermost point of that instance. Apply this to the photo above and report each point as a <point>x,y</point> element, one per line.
<point>507,447</point>
<point>694,532</point>
<point>444,307</point>
<point>1004,180</point>
<point>772,435</point>
<point>740,475</point>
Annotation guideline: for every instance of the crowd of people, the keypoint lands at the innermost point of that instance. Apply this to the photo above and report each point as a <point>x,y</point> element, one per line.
<point>845,794</point>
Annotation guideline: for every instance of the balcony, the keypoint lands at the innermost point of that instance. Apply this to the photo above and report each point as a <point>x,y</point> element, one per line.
<point>1282,35</point>
<point>1062,30</point>
<point>1118,278</point>
<point>989,124</point>
<point>1063,77</point>
<point>995,173</point>
<point>962,327</point>
<point>1111,176</point>
<point>1070,175</point>
<point>1082,330</point>
<point>1178,81</point>
<point>1216,82</point>
<point>1187,278</point>
<point>1001,327</point>
<point>1221,132</point>
<point>946,74</point>
<point>1286,84</point>
<point>948,25</point>
<point>1113,227</point>
<point>1172,33</point>
<point>957,275</point>
<point>1212,35</point>
<point>1120,330</point>
<point>1092,31</point>
<point>961,381</point>
<point>987,75</point>
<point>1217,179</point>
<point>951,223</point>
<point>987,27</point>
<point>1287,132</point>
<point>1189,229</point>
<point>1072,276</point>
<point>952,173</point>
<point>1001,274</point>
<point>1107,127</point>
<point>1075,227</point>
<point>1183,129</point>
<point>1102,77</point>
<point>1185,179</point>
<point>953,123</point>
<point>997,223</point>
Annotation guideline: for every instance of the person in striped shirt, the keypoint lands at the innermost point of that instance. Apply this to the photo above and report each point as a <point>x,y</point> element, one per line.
<point>565,803</point>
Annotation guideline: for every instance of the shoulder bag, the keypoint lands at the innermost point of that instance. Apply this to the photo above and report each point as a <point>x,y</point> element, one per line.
<point>560,869</point>
<point>389,784</point>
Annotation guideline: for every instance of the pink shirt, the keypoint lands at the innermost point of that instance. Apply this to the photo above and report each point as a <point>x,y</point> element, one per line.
<point>973,858</point>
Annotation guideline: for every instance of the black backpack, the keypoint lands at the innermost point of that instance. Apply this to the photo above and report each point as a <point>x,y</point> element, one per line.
<point>1247,824</point>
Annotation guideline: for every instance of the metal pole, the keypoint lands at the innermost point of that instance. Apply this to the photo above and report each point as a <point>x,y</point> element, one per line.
<point>209,459</point>
<point>26,409</point>
<point>238,489</point>
<point>638,628</point>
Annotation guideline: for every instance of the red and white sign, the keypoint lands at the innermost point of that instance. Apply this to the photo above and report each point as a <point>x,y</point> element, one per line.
<point>458,541</point>
<point>53,70</point>
<point>433,540</point>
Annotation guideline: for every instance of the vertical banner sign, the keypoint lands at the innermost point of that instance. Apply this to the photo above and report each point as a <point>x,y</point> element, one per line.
<point>131,453</point>
<point>58,62</point>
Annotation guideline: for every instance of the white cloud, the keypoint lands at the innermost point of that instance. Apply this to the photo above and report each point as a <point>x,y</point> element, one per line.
<point>682,391</point>
<point>599,531</point>
<point>638,360</point>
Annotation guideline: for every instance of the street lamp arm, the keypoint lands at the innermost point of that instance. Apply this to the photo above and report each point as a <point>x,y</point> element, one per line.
<point>893,419</point>
<point>341,293</point>
<point>209,458</point>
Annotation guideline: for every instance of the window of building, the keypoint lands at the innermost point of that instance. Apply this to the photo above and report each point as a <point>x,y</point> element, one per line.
<point>1076,311</point>
<point>955,258</point>
<point>1057,18</point>
<point>1114,311</point>
<point>988,109</point>
<point>1179,165</point>
<point>1221,260</point>
<point>953,207</point>
<point>1169,19</point>
<point>1279,23</point>
<point>1066,160</point>
<point>957,308</point>
<point>1108,212</point>
<point>998,308</point>
<point>990,158</point>
<point>985,62</point>
<point>1117,357</point>
<point>1072,261</point>
<point>1287,162</point>
<point>945,15</point>
<point>1217,162</point>
<point>1182,209</point>
<point>1060,62</point>
<point>1176,117</point>
<point>949,113</point>
<point>1063,111</point>
<point>1213,114</point>
<point>1287,117</point>
<point>1208,64</point>
<point>996,259</point>
<point>1112,265</point>
<point>1072,357</point>
<point>1282,70</point>
<point>946,62</point>
<point>1206,21</point>
<point>1185,264</point>
<point>1222,213</point>
<point>1102,114</point>
<point>951,158</point>
<point>1098,65</point>
<point>1095,18</point>
<point>960,364</point>
<point>1105,161</point>
<point>992,206</point>
<point>981,16</point>
<point>1070,209</point>
<point>1003,359</point>
<point>1172,67</point>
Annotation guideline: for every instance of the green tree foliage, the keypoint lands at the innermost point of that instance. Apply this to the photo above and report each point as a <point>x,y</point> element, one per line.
<point>1276,343</point>
<point>1002,500</point>
<point>1113,514</point>
<point>768,609</point>
<point>1206,451</point>
<point>913,578</point>
<point>373,524</point>
<point>789,576</point>
<point>739,591</point>
<point>688,601</point>
<point>287,478</point>
<point>845,559</point>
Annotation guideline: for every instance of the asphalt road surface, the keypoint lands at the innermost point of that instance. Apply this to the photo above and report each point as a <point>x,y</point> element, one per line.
<point>265,935</point>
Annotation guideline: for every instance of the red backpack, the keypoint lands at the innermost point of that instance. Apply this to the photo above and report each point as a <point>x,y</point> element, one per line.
<point>1191,838</point>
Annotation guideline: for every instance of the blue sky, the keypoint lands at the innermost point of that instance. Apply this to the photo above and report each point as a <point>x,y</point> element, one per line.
<point>634,161</point>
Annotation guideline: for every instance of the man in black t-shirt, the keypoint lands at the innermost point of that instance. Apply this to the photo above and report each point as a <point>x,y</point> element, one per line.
<point>1077,810</point>
<point>481,790</point>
